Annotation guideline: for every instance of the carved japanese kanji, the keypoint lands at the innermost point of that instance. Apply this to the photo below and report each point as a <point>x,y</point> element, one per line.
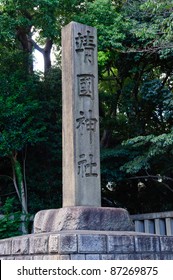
<point>88,123</point>
<point>86,167</point>
<point>86,44</point>
<point>86,85</point>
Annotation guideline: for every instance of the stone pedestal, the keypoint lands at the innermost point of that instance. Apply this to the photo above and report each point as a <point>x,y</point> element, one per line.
<point>87,245</point>
<point>83,218</point>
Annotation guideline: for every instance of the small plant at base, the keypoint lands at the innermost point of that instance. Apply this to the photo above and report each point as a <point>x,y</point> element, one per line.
<point>9,222</point>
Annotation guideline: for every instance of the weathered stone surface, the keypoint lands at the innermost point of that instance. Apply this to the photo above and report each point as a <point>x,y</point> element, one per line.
<point>120,256</point>
<point>92,257</point>
<point>147,244</point>
<point>166,243</point>
<point>83,218</point>
<point>165,256</point>
<point>39,257</point>
<point>20,246</point>
<point>54,243</point>
<point>64,257</point>
<point>85,244</point>
<point>121,244</point>
<point>38,244</point>
<point>78,257</point>
<point>150,256</point>
<point>67,243</point>
<point>92,243</point>
<point>5,247</point>
<point>51,257</point>
<point>107,257</point>
<point>56,257</point>
<point>81,147</point>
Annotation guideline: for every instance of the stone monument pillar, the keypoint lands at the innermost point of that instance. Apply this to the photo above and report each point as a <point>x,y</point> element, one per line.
<point>81,149</point>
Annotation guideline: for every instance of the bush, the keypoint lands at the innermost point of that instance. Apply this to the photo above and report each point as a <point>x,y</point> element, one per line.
<point>10,223</point>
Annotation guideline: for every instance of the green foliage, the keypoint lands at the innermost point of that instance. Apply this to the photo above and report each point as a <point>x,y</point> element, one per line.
<point>110,25</point>
<point>41,18</point>
<point>10,221</point>
<point>135,86</point>
<point>152,149</point>
<point>152,25</point>
<point>45,185</point>
<point>18,122</point>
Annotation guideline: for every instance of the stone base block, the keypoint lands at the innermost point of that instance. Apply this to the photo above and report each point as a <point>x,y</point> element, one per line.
<point>87,245</point>
<point>83,218</point>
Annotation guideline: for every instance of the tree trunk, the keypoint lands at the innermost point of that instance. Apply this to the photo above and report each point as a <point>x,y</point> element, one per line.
<point>20,189</point>
<point>18,178</point>
<point>23,37</point>
<point>46,54</point>
<point>105,140</point>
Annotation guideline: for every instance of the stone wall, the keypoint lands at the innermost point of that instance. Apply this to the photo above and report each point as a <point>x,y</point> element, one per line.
<point>87,245</point>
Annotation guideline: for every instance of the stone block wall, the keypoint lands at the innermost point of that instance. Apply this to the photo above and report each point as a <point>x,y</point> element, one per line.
<point>87,245</point>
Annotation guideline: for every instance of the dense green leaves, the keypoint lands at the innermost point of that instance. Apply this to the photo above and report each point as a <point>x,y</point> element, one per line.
<point>152,148</point>
<point>10,221</point>
<point>135,72</point>
<point>19,117</point>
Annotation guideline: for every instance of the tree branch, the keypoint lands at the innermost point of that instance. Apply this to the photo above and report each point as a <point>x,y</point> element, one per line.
<point>7,177</point>
<point>36,46</point>
<point>151,177</point>
<point>150,50</point>
<point>155,179</point>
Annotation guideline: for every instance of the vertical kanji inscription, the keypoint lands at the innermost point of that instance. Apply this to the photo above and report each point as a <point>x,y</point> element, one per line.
<point>81,154</point>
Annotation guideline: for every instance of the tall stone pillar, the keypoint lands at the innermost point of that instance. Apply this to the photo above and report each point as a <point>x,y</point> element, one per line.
<point>81,145</point>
